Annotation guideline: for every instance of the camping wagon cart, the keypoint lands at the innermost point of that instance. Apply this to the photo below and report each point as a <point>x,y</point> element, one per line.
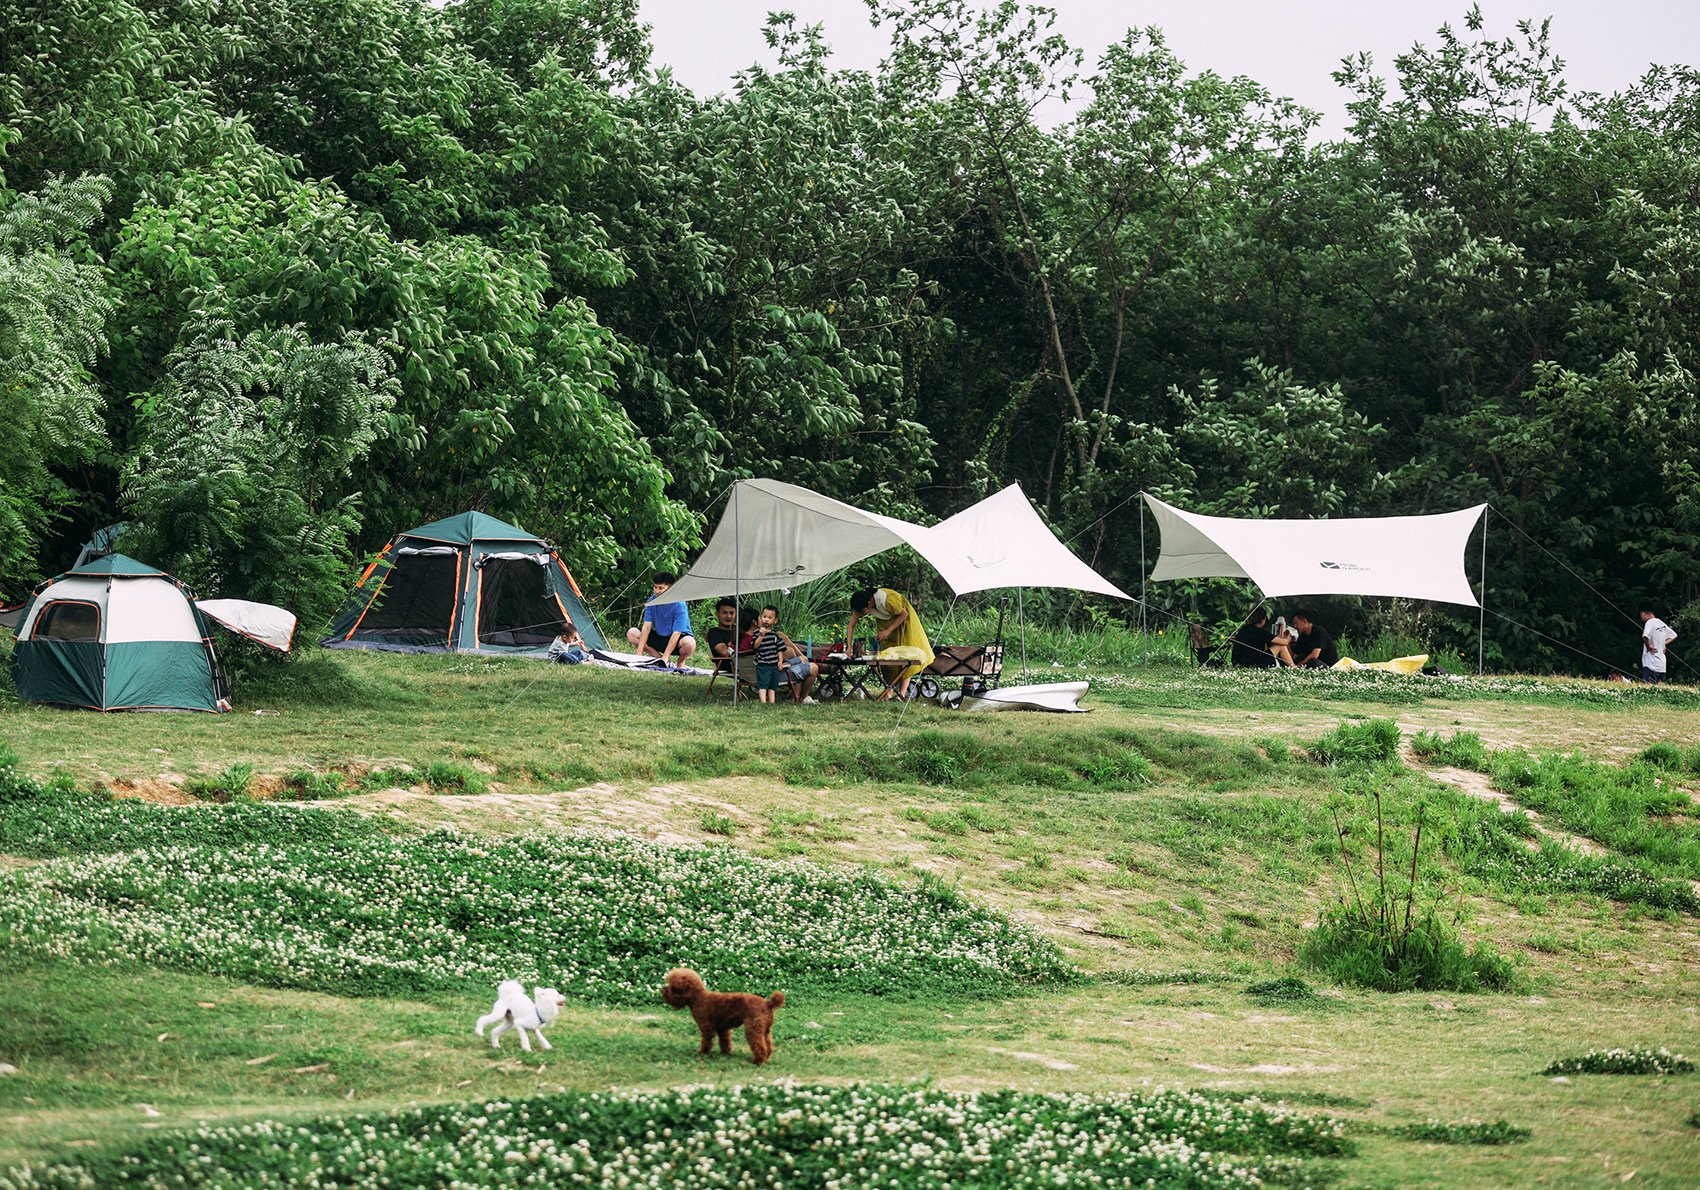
<point>956,672</point>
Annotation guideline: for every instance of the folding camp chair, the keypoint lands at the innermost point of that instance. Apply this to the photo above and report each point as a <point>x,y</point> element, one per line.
<point>745,674</point>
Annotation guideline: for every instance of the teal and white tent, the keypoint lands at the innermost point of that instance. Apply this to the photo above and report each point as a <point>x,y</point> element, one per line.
<point>466,583</point>
<point>116,635</point>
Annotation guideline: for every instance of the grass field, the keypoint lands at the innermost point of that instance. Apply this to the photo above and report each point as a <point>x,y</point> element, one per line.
<point>1016,948</point>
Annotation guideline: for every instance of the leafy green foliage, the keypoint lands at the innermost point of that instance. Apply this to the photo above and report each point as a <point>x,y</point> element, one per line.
<point>760,1134</point>
<point>1371,742</point>
<point>1468,1132</point>
<point>237,482</point>
<point>1462,749</point>
<point>1377,937</point>
<point>267,269</point>
<point>54,304</point>
<point>1633,1060</point>
<point>600,917</point>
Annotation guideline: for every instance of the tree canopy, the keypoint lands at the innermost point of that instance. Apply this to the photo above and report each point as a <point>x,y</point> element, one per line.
<point>279,277</point>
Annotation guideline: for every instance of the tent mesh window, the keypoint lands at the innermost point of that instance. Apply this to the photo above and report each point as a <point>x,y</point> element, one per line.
<point>515,608</point>
<point>416,603</point>
<point>66,619</point>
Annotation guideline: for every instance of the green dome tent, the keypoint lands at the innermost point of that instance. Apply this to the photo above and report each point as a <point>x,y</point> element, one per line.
<point>467,583</point>
<point>117,635</point>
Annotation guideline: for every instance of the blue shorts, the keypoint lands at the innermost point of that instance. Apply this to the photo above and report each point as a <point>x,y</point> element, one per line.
<point>767,677</point>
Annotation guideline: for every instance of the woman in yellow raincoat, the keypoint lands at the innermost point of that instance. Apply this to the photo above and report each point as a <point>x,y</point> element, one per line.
<point>902,639</point>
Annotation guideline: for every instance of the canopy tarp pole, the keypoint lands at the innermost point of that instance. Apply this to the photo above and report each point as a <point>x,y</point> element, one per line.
<point>737,594</point>
<point>1481,619</point>
<point>1145,639</point>
<point>1021,617</point>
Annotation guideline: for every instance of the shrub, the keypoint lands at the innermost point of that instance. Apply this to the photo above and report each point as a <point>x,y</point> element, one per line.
<point>385,916</point>
<point>1287,990</point>
<point>1388,943</point>
<point>1663,756</point>
<point>719,824</point>
<point>1379,952</point>
<point>1374,741</point>
<point>233,784</point>
<point>441,776</point>
<point>772,1135</point>
<point>1462,749</point>
<point>1468,1132</point>
<point>1623,1061</point>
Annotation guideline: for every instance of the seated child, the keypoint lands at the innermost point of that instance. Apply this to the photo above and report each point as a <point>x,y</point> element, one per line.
<point>568,648</point>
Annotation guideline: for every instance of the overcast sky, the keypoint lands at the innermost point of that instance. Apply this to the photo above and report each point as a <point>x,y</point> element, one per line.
<point>1290,46</point>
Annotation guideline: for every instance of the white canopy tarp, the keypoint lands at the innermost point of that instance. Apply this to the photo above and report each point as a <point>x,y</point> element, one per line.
<point>260,622</point>
<point>1412,557</point>
<point>1001,542</point>
<point>776,535</point>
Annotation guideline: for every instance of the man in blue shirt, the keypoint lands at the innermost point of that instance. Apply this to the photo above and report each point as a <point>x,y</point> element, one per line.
<point>667,628</point>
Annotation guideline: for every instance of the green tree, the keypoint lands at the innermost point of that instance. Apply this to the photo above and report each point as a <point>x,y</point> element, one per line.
<point>238,482</point>
<point>54,305</point>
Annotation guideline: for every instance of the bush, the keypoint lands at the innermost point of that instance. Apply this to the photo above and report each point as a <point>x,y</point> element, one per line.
<point>1663,756</point>
<point>1387,943</point>
<point>1469,1132</point>
<point>1462,749</point>
<point>1374,741</point>
<point>1287,990</point>
<point>233,784</point>
<point>1623,1061</point>
<point>1378,951</point>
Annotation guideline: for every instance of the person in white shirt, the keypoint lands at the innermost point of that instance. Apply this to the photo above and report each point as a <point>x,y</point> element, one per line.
<point>1656,636</point>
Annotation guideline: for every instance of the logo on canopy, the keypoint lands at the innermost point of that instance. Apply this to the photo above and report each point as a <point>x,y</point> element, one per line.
<point>1341,566</point>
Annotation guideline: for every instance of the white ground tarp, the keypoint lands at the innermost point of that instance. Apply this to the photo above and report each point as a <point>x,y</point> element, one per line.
<point>1413,557</point>
<point>776,535</point>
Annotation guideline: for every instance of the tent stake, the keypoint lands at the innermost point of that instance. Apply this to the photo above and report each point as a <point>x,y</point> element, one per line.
<point>1481,604</point>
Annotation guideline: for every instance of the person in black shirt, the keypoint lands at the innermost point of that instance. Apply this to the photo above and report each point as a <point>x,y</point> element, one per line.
<point>1250,643</point>
<point>1315,647</point>
<point>724,634</point>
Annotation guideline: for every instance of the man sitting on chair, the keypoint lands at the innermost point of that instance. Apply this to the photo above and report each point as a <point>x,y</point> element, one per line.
<point>1315,647</point>
<point>723,637</point>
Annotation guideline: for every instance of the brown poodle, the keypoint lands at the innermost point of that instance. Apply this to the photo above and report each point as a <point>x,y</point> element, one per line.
<point>721,1012</point>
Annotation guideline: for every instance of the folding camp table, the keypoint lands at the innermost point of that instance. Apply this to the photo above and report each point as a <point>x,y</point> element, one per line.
<point>845,676</point>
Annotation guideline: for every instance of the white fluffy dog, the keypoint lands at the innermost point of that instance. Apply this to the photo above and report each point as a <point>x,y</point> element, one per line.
<point>513,1010</point>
